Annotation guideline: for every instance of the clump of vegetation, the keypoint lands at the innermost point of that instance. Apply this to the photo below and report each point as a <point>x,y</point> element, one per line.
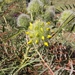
<point>35,39</point>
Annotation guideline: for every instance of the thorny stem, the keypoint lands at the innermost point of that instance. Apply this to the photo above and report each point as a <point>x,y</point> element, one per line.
<point>50,70</point>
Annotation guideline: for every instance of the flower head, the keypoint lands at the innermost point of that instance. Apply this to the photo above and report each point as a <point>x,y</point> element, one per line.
<point>64,15</point>
<point>49,36</point>
<point>48,23</point>
<point>46,44</point>
<point>27,33</point>
<point>49,13</point>
<point>23,20</point>
<point>29,42</point>
<point>42,37</point>
<point>36,41</point>
<point>35,6</point>
<point>38,32</point>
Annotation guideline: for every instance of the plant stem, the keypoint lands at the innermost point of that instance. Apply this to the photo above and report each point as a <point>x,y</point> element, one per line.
<point>31,17</point>
<point>50,70</point>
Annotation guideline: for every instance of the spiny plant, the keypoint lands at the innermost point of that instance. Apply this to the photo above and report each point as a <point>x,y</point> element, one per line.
<point>23,21</point>
<point>64,15</point>
<point>49,13</point>
<point>39,32</point>
<point>35,7</point>
<point>35,43</point>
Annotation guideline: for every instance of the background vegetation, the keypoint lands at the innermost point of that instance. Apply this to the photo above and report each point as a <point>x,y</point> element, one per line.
<point>37,37</point>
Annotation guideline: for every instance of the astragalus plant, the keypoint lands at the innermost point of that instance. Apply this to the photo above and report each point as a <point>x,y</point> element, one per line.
<point>39,32</point>
<point>35,7</point>
<point>35,43</point>
<point>23,21</point>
